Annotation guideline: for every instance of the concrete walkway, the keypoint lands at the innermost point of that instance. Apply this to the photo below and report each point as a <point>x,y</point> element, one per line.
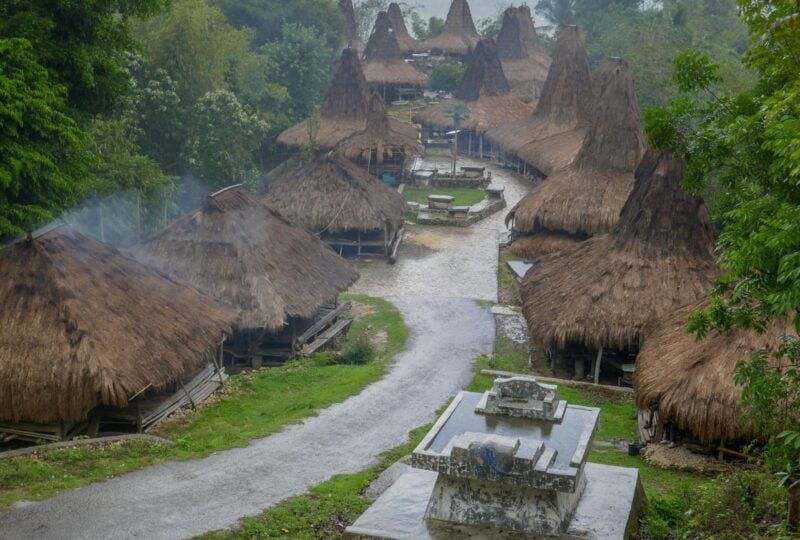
<point>440,275</point>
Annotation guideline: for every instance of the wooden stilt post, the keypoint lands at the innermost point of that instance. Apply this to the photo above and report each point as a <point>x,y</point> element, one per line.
<point>480,144</point>
<point>469,143</point>
<point>597,363</point>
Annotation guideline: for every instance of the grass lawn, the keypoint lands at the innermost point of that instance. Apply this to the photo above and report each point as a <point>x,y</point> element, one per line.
<point>507,282</point>
<point>462,196</point>
<point>252,405</point>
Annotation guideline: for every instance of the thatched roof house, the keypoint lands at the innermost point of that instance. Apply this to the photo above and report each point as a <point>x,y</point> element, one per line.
<point>384,67</point>
<point>458,36</point>
<point>351,35</point>
<point>552,135</point>
<point>525,62</point>
<point>349,108</point>
<point>406,43</point>
<point>586,197</point>
<point>484,91</point>
<point>83,325</point>
<point>244,254</point>
<point>605,291</point>
<point>691,383</point>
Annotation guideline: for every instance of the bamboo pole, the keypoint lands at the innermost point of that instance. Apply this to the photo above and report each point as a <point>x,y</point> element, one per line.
<point>597,363</point>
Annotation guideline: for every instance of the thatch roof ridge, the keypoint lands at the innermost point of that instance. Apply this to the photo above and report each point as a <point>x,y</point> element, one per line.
<point>82,324</point>
<point>383,60</point>
<point>327,193</point>
<point>458,36</point>
<point>517,38</point>
<point>382,44</point>
<point>607,290</point>
<point>484,75</point>
<point>250,257</point>
<point>691,383</point>
<point>346,96</point>
<point>351,35</point>
<point>404,40</point>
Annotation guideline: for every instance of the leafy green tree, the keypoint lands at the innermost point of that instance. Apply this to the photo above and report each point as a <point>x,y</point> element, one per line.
<point>490,27</point>
<point>366,11</point>
<point>446,77</point>
<point>44,162</point>
<point>560,13</point>
<point>423,29</point>
<point>80,43</point>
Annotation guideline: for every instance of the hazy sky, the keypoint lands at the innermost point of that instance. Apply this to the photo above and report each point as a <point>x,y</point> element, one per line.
<point>481,9</point>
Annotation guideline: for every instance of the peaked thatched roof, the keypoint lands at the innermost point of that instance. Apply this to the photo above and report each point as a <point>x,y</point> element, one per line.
<point>406,43</point>
<point>541,243</point>
<point>606,290</point>
<point>691,383</point>
<point>244,254</point>
<point>525,62</point>
<point>327,193</point>
<point>566,99</point>
<point>346,110</point>
<point>484,90</point>
<point>351,35</point>
<point>383,60</point>
<point>587,196</point>
<point>458,36</point>
<point>83,325</point>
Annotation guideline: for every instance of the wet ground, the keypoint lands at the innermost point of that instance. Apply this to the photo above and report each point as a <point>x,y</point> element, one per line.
<point>435,284</point>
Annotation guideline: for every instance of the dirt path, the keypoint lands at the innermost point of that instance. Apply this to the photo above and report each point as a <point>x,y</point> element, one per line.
<point>441,274</point>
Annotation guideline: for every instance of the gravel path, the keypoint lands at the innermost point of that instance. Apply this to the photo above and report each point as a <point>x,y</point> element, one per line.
<point>440,275</point>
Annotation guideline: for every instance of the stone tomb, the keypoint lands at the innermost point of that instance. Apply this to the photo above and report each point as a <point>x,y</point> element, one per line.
<point>509,463</point>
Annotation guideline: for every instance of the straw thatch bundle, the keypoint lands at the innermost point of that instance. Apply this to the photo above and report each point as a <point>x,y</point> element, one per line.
<point>605,291</point>
<point>383,60</point>
<point>525,62</point>
<point>691,383</point>
<point>406,43</point>
<point>351,35</point>
<point>329,194</point>
<point>542,243</point>
<point>565,102</point>
<point>83,325</point>
<point>458,36</point>
<point>587,196</point>
<point>244,254</point>
<point>484,90</point>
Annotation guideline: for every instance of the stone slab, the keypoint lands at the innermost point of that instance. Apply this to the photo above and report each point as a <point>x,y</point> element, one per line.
<point>608,510</point>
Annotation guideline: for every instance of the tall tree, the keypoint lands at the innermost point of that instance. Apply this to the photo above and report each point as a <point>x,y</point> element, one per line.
<point>559,12</point>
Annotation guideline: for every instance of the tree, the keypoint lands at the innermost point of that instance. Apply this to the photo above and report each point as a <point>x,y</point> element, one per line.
<point>426,29</point>
<point>44,162</point>
<point>491,26</point>
<point>366,11</point>
<point>560,13</point>
<point>446,77</point>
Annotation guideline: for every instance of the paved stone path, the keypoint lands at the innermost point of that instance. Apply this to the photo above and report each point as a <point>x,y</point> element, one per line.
<point>440,274</point>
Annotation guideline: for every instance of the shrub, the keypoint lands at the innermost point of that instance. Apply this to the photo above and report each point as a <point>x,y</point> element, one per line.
<point>359,351</point>
<point>446,77</point>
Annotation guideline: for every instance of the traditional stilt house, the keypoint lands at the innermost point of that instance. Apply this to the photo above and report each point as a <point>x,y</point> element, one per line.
<point>89,336</point>
<point>485,92</point>
<point>550,138</point>
<point>525,62</point>
<point>685,389</point>
<point>350,111</point>
<point>458,36</point>
<point>406,43</point>
<point>586,198</point>
<point>280,279</point>
<point>352,211</point>
<point>592,301</point>
<point>352,37</point>
<point>384,67</point>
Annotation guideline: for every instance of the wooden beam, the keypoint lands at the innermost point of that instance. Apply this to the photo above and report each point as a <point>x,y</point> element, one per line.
<point>597,364</point>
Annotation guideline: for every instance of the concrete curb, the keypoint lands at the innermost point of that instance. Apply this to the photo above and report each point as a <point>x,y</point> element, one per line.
<point>82,442</point>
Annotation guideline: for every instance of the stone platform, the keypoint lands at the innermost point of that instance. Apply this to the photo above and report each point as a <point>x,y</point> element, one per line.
<point>606,511</point>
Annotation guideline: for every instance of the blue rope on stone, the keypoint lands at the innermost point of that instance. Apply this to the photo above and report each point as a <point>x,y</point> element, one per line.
<point>483,456</point>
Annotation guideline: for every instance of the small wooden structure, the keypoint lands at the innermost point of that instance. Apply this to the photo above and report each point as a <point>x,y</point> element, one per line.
<point>525,61</point>
<point>598,296</point>
<point>339,202</point>
<point>280,279</point>
<point>586,197</point>
<point>486,94</point>
<point>458,36</point>
<point>385,69</point>
<point>87,332</point>
<point>550,138</point>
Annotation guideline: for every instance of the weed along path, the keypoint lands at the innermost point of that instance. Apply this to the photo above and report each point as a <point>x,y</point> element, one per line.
<point>435,284</point>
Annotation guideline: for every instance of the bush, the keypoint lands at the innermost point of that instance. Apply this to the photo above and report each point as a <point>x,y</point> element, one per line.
<point>357,352</point>
<point>446,77</point>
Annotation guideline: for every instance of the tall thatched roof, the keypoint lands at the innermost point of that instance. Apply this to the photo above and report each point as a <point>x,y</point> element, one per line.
<point>351,35</point>
<point>244,254</point>
<point>525,62</point>
<point>587,196</point>
<point>691,383</point>
<point>406,43</point>
<point>347,110</point>
<point>485,92</point>
<point>566,99</point>
<point>606,290</point>
<point>458,36</point>
<point>327,193</point>
<point>383,60</point>
<point>83,325</point>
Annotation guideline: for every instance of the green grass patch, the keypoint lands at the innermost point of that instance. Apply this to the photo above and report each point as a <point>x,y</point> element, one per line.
<point>507,283</point>
<point>461,196</point>
<point>252,405</point>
